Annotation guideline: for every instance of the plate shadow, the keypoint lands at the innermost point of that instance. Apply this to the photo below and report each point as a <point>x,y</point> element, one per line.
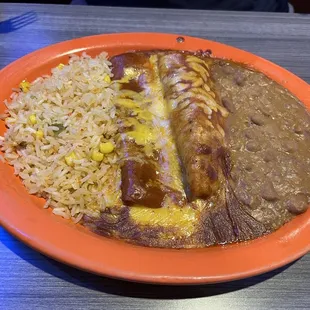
<point>124,288</point>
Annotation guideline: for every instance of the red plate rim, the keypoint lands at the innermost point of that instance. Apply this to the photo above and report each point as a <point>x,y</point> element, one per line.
<point>22,215</point>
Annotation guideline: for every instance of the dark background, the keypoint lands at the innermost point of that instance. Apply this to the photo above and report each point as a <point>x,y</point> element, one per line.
<point>300,6</point>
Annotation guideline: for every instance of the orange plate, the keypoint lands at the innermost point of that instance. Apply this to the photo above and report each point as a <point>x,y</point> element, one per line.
<point>23,216</point>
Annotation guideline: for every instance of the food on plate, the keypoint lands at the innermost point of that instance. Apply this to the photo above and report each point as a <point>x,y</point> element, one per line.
<point>162,148</point>
<point>150,170</point>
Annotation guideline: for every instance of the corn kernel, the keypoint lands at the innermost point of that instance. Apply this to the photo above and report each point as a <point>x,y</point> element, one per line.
<point>107,79</point>
<point>39,134</point>
<point>60,66</point>
<point>97,156</point>
<point>106,147</point>
<point>70,158</point>
<point>33,119</point>
<point>24,86</point>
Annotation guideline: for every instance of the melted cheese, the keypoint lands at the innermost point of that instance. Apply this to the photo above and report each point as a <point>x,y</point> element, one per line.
<point>142,134</point>
<point>174,217</point>
<point>126,103</point>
